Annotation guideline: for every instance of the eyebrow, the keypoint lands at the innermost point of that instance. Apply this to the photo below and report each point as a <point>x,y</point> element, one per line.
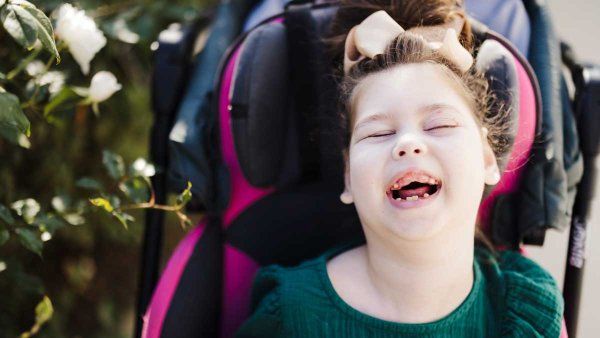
<point>373,118</point>
<point>386,116</point>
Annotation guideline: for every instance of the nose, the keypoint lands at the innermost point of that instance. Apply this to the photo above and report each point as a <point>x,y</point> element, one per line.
<point>408,145</point>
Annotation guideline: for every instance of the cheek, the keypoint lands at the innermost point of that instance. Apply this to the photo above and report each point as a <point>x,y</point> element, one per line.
<point>466,146</point>
<point>366,164</point>
<point>463,159</point>
<point>464,155</point>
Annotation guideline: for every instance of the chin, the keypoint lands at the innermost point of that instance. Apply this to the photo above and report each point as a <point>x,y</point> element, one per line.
<point>416,230</point>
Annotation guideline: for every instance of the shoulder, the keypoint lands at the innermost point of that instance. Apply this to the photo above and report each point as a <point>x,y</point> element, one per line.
<point>532,305</point>
<point>279,279</point>
<point>265,319</point>
<point>280,295</point>
<point>283,276</point>
<point>309,276</point>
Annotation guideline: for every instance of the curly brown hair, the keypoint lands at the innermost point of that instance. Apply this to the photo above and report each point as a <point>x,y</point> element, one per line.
<point>410,48</point>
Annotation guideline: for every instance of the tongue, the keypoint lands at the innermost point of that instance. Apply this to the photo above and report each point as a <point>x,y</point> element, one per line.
<point>404,193</point>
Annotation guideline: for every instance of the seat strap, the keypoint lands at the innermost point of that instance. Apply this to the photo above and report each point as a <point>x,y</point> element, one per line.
<point>301,31</point>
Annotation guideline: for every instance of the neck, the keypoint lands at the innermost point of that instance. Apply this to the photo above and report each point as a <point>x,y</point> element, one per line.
<point>420,281</point>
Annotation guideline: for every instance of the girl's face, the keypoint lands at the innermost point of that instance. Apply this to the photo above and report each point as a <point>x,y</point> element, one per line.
<point>417,160</point>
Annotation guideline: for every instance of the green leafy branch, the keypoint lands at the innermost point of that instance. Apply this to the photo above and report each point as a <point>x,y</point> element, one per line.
<point>137,187</point>
<point>26,95</point>
<point>32,226</point>
<point>26,25</point>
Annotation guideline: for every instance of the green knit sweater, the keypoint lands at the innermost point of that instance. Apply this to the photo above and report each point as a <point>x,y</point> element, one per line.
<point>511,297</point>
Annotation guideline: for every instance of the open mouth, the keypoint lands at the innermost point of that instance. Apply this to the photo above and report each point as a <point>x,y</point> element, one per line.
<point>414,186</point>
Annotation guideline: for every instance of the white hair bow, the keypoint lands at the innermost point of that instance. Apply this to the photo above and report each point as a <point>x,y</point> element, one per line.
<point>378,30</point>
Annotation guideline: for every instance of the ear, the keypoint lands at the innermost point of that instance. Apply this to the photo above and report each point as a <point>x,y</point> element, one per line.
<point>492,172</point>
<point>346,196</point>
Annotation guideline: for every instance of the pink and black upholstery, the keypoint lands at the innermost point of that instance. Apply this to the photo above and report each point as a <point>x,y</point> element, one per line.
<point>274,112</point>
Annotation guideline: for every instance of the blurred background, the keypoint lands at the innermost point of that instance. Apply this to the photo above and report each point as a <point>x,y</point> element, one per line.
<point>90,271</point>
<point>576,22</point>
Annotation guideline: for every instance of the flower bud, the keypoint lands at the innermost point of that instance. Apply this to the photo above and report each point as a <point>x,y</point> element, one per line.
<point>103,85</point>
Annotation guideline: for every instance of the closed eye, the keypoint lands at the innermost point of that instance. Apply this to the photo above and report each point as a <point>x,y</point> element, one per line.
<point>381,135</point>
<point>442,127</point>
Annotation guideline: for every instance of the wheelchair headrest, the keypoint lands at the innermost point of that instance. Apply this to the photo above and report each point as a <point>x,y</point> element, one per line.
<point>269,125</point>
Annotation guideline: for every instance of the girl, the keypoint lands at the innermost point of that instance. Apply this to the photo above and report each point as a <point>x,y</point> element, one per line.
<point>422,149</point>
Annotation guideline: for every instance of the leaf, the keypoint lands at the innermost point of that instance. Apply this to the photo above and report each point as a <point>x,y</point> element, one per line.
<point>65,95</point>
<point>115,201</point>
<point>22,3</point>
<point>36,92</point>
<point>48,223</point>
<point>88,183</point>
<point>20,24</point>
<point>30,239</point>
<point>6,216</point>
<point>74,219</point>
<point>123,218</point>
<point>114,164</point>
<point>4,236</point>
<point>11,114</point>
<point>26,208</point>
<point>43,311</point>
<point>185,196</point>
<point>102,203</point>
<point>44,31</point>
<point>32,22</point>
<point>15,137</point>
<point>136,189</point>
<point>61,203</point>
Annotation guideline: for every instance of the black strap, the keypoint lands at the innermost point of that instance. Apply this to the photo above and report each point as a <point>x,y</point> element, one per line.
<point>301,30</point>
<point>169,78</point>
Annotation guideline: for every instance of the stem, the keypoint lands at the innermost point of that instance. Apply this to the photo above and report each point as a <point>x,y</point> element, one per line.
<point>35,329</point>
<point>148,205</point>
<point>183,219</point>
<point>152,194</point>
<point>23,64</point>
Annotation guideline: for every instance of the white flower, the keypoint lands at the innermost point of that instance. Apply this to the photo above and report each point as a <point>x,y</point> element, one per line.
<point>103,85</point>
<point>41,77</point>
<point>35,68</point>
<point>140,166</point>
<point>124,33</point>
<point>46,236</point>
<point>55,79</point>
<point>28,208</point>
<point>80,33</point>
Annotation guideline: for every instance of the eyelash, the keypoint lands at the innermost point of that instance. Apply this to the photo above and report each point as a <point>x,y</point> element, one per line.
<point>442,126</point>
<point>434,128</point>
<point>380,135</point>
